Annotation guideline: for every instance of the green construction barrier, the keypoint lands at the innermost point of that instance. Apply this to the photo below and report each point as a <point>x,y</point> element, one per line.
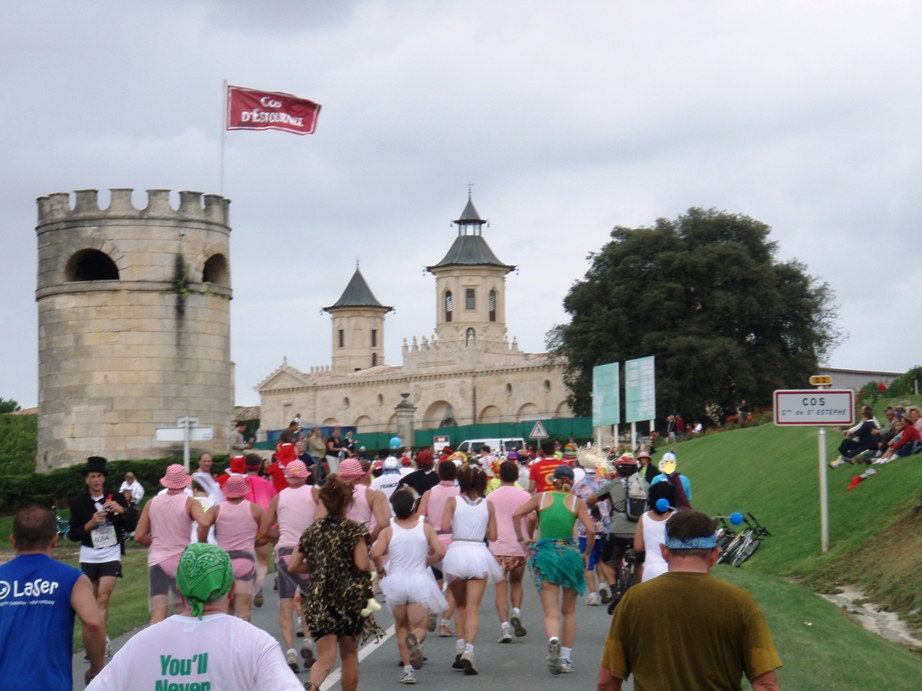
<point>579,428</point>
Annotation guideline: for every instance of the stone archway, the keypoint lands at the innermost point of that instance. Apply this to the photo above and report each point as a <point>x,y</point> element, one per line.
<point>364,424</point>
<point>528,412</point>
<point>490,414</point>
<point>563,410</point>
<point>436,414</point>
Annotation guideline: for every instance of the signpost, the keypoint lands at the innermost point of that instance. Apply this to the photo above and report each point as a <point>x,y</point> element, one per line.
<point>439,443</point>
<point>538,431</point>
<point>817,408</point>
<point>186,430</point>
<point>640,393</point>
<point>606,398</point>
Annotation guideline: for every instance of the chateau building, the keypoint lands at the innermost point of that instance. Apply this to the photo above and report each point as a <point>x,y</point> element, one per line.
<point>467,372</point>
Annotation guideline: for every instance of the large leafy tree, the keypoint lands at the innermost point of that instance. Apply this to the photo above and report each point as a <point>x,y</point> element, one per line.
<point>706,295</point>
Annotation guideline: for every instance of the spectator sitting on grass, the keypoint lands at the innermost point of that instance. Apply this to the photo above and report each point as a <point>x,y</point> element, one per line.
<point>915,417</point>
<point>907,442</point>
<point>858,439</point>
<point>886,432</point>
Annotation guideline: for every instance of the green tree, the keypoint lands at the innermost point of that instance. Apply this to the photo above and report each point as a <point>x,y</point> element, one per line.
<point>706,295</point>
<point>8,406</point>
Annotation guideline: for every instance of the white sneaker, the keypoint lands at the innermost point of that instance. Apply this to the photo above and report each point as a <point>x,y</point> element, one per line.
<point>566,667</point>
<point>593,600</point>
<point>307,652</point>
<point>507,634</point>
<point>108,647</point>
<point>553,657</point>
<point>409,676</point>
<point>605,593</point>
<point>291,657</point>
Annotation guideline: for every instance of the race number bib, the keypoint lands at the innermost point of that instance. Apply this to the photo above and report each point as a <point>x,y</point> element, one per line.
<point>104,536</point>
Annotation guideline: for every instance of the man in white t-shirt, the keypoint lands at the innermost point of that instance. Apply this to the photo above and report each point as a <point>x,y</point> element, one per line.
<point>203,647</point>
<point>389,479</point>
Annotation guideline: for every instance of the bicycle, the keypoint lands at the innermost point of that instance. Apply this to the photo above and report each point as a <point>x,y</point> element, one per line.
<point>725,533</point>
<point>745,544</point>
<point>63,525</point>
<point>626,578</point>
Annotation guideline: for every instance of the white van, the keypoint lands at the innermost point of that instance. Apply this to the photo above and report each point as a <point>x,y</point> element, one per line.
<point>503,446</point>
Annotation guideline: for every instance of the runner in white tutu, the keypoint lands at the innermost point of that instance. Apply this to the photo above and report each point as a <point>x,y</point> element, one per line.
<point>408,584</point>
<point>468,563</point>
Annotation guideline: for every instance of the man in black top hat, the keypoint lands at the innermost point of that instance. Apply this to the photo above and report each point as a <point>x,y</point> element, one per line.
<point>99,520</point>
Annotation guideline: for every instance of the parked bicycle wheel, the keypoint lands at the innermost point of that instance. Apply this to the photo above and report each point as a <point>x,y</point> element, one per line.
<point>747,552</point>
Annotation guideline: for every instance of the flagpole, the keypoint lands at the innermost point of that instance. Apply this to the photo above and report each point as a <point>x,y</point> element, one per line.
<point>223,136</point>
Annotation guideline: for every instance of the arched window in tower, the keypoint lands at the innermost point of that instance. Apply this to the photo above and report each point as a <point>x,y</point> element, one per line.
<point>90,265</point>
<point>449,306</point>
<point>492,305</point>
<point>469,299</point>
<point>469,337</point>
<point>374,359</point>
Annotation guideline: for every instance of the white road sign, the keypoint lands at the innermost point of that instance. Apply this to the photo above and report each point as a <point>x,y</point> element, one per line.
<point>178,433</point>
<point>815,407</point>
<point>538,431</point>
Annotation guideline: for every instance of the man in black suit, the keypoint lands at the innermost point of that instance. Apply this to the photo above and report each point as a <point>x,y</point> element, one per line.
<point>99,521</point>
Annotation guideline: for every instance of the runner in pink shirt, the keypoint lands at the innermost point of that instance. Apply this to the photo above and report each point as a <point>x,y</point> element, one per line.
<point>432,506</point>
<point>261,493</point>
<point>508,550</point>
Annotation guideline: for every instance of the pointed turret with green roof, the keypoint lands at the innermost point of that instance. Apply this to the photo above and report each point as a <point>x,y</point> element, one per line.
<point>358,326</point>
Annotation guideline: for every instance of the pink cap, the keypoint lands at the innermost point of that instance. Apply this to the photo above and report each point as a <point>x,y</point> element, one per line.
<point>351,469</point>
<point>296,469</point>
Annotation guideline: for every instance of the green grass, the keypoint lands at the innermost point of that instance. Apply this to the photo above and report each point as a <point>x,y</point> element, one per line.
<point>773,473</point>
<point>822,648</point>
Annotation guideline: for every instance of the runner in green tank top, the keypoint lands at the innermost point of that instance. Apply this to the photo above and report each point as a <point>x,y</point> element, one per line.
<point>555,563</point>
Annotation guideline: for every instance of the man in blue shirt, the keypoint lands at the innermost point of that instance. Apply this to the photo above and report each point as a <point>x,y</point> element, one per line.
<point>39,598</point>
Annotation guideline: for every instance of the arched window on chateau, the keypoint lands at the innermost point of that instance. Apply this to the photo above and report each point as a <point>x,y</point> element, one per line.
<point>449,307</point>
<point>469,337</point>
<point>374,359</point>
<point>492,305</point>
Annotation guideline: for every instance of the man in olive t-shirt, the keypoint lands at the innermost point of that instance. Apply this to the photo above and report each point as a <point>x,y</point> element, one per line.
<point>687,629</point>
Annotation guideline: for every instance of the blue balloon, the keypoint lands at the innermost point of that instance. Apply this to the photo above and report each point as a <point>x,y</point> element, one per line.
<point>736,518</point>
<point>395,442</point>
<point>662,505</point>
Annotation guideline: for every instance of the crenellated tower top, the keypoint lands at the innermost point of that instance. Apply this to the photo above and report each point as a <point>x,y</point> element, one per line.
<point>193,206</point>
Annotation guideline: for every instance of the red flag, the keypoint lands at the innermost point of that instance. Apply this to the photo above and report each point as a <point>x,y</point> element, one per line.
<point>248,109</point>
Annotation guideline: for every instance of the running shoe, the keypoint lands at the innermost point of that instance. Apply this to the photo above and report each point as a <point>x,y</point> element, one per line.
<point>445,631</point>
<point>457,664</point>
<point>467,661</point>
<point>416,653</point>
<point>507,634</point>
<point>566,667</point>
<point>307,652</point>
<point>433,622</point>
<point>516,622</point>
<point>409,676</point>
<point>108,647</point>
<point>605,593</point>
<point>593,600</point>
<point>553,656</point>
<point>291,657</point>
<point>258,599</point>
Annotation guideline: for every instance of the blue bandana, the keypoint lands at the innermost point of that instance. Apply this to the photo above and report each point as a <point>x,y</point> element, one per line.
<point>709,542</point>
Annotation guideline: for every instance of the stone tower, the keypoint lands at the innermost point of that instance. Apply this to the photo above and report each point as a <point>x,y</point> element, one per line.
<point>358,327</point>
<point>134,324</point>
<point>470,286</point>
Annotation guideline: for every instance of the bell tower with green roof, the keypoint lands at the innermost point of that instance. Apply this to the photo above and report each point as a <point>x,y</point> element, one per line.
<point>358,327</point>
<point>470,284</point>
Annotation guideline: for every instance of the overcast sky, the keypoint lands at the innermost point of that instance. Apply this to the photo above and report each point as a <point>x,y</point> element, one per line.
<point>568,118</point>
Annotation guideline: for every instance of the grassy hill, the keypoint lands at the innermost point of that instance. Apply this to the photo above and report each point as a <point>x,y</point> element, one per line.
<point>773,473</point>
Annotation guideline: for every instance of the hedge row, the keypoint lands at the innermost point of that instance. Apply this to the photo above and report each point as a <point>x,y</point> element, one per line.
<point>18,443</point>
<point>58,487</point>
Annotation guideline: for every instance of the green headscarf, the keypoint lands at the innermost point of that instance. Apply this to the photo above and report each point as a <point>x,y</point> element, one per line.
<point>204,574</point>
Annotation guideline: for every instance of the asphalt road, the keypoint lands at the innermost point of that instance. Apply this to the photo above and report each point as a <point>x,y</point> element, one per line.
<point>502,667</point>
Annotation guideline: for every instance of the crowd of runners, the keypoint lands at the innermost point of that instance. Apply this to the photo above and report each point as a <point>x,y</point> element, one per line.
<point>423,533</point>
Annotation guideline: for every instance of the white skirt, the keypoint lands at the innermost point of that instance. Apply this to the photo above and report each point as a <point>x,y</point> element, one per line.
<point>420,587</point>
<point>470,560</point>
